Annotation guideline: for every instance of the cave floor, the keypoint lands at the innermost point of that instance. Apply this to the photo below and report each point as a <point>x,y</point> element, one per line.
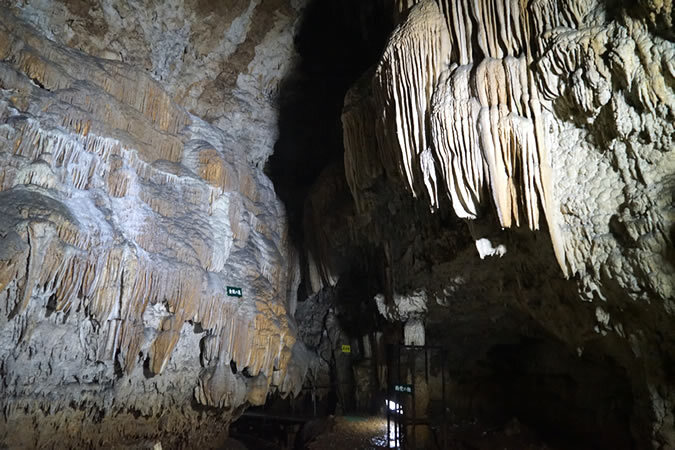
<point>368,432</point>
<point>353,432</point>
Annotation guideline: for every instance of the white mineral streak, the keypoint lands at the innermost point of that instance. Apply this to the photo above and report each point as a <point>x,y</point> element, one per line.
<point>486,248</point>
<point>124,218</point>
<point>404,307</point>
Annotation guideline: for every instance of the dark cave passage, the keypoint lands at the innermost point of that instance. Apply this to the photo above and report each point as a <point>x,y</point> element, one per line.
<point>336,43</point>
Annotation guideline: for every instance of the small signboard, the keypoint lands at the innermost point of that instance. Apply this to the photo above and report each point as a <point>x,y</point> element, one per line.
<point>346,348</point>
<point>234,291</point>
<point>404,388</point>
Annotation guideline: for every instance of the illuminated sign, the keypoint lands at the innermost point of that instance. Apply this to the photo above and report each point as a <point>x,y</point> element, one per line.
<point>404,388</point>
<point>234,291</point>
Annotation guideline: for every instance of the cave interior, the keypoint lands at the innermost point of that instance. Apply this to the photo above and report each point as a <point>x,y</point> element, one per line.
<point>455,217</point>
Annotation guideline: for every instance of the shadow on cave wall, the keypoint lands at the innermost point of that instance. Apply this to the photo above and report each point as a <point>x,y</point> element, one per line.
<point>576,401</point>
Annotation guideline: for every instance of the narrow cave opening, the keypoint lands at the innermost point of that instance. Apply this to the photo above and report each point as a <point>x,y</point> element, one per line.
<point>336,43</point>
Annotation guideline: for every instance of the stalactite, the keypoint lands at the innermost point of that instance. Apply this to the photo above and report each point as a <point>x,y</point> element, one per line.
<point>470,125</point>
<point>125,211</point>
<point>118,286</point>
<point>362,164</point>
<point>416,54</point>
<point>457,148</point>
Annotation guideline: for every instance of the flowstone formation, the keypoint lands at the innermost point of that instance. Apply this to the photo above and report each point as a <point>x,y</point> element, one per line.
<point>124,217</point>
<point>483,101</point>
<point>514,161</point>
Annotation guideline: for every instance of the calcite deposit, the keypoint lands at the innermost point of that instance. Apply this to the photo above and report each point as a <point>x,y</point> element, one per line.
<point>505,192</point>
<point>547,126</point>
<point>489,92</point>
<point>124,217</point>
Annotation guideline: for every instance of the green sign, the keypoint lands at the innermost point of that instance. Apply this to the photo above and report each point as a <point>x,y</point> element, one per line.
<point>234,291</point>
<point>404,388</point>
<point>346,348</point>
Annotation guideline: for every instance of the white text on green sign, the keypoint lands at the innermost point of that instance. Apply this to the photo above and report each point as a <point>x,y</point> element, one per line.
<point>234,291</point>
<point>405,388</point>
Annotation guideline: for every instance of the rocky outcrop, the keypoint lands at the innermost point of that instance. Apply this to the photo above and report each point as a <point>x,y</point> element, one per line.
<point>222,61</point>
<point>125,217</point>
<point>548,128</point>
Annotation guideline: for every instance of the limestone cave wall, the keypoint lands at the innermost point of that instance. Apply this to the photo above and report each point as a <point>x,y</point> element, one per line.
<point>492,176</point>
<point>511,173</point>
<point>132,140</point>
